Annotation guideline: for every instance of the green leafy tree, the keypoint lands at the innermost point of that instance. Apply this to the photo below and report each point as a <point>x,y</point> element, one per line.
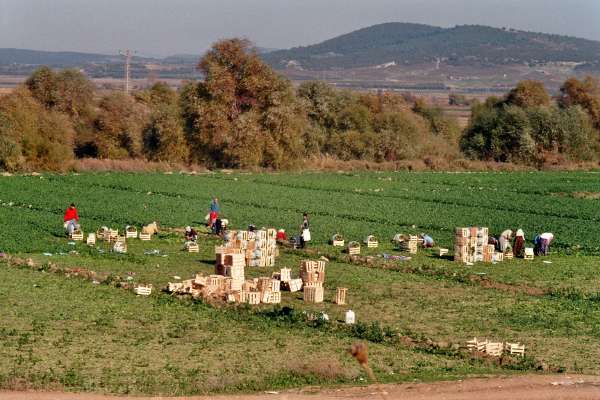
<point>119,126</point>
<point>164,139</point>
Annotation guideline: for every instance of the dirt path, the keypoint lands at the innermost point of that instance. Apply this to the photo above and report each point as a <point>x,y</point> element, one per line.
<point>529,387</point>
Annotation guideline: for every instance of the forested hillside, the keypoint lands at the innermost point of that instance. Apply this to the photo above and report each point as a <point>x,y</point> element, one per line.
<point>412,44</point>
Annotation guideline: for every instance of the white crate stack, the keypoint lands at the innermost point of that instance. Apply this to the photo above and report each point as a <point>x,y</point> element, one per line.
<point>259,247</point>
<point>471,245</point>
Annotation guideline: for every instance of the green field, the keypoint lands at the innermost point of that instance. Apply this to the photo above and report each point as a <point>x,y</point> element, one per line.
<point>67,333</point>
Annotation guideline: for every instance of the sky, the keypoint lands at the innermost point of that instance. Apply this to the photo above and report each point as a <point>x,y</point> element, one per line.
<point>166,27</point>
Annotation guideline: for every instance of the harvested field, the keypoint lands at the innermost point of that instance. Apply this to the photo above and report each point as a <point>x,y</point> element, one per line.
<point>64,327</point>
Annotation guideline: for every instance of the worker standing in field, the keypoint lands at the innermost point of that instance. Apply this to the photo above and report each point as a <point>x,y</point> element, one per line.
<point>519,246</point>
<point>214,205</point>
<point>71,219</point>
<point>505,240</point>
<point>304,231</point>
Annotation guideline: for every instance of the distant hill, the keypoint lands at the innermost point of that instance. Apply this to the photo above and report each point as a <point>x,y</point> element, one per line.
<point>59,58</point>
<point>413,44</point>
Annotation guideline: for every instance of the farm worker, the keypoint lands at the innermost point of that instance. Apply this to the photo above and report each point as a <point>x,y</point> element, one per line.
<point>519,246</point>
<point>214,205</point>
<point>504,241</point>
<point>304,231</point>
<point>427,240</point>
<point>190,234</point>
<point>212,218</point>
<point>71,219</point>
<point>218,226</point>
<point>542,243</point>
<point>281,236</point>
<point>493,241</point>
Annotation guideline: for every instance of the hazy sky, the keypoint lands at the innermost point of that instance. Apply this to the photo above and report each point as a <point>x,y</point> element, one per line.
<point>163,27</point>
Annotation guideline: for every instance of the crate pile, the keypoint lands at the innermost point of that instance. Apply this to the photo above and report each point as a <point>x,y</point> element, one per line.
<point>287,283</point>
<point>312,274</point>
<point>107,234</point>
<point>232,289</point>
<point>259,247</point>
<point>496,349</point>
<point>409,243</point>
<point>471,245</point>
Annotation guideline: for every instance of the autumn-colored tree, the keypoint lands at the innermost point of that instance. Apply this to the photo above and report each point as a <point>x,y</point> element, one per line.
<point>528,94</point>
<point>585,93</point>
<point>237,82</point>
<point>67,91</point>
<point>31,136</point>
<point>119,126</point>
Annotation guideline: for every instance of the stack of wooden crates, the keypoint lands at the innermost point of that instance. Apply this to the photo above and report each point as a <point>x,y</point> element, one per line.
<point>259,247</point>
<point>471,245</point>
<point>312,274</point>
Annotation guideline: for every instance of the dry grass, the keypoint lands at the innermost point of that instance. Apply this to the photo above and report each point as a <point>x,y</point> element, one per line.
<point>131,165</point>
<point>325,367</point>
<point>329,163</point>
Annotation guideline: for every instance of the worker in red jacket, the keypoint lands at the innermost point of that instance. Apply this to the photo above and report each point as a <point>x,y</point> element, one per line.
<point>71,219</point>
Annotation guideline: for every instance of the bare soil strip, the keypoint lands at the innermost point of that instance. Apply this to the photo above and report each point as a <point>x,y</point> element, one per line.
<point>527,387</point>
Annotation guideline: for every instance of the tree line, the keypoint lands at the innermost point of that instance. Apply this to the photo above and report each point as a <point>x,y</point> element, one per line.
<point>244,115</point>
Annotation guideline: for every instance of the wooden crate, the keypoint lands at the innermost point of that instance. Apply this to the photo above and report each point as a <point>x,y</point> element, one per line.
<point>313,294</point>
<point>236,284</point>
<point>214,281</point>
<point>371,241</point>
<point>337,240</point>
<point>77,235</point>
<point>120,247</point>
<point>353,248</point>
<point>274,298</point>
<point>515,349</point>
<point>145,236</point>
<point>508,255</point>
<point>498,257</point>
<point>113,234</point>
<point>462,232</point>
<point>477,345</point>
<point>529,255</point>
<point>294,285</point>
<point>91,239</point>
<point>131,232</point>
<point>251,297</point>
<point>340,296</point>
<point>442,252</point>
<point>143,290</point>
<point>285,275</point>
<point>121,239</point>
<point>494,348</point>
<point>275,285</point>
<point>193,248</point>
<point>101,234</point>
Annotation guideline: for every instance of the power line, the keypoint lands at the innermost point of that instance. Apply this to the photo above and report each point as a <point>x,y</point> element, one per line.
<point>128,54</point>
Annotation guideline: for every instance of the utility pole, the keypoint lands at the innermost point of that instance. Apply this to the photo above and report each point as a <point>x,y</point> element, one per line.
<point>128,54</point>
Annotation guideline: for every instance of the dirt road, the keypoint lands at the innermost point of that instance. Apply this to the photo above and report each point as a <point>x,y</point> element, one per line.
<point>530,387</point>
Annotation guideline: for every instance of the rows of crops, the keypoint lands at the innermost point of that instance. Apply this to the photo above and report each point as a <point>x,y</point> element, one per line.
<point>352,204</point>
